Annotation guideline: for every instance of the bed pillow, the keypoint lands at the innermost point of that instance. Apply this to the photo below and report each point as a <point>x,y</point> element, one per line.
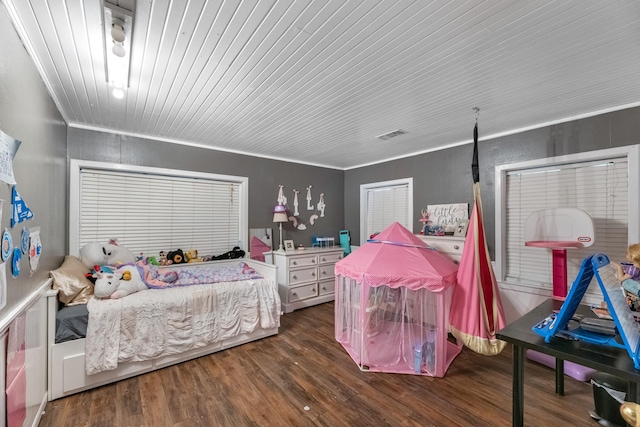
<point>70,280</point>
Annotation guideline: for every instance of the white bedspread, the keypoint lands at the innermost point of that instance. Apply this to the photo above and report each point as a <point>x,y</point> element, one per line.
<point>160,322</point>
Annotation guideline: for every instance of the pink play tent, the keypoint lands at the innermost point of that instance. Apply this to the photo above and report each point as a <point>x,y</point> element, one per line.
<point>392,305</point>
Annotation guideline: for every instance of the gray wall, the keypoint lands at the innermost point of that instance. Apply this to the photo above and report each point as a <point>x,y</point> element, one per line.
<point>264,177</point>
<point>27,113</point>
<point>445,176</point>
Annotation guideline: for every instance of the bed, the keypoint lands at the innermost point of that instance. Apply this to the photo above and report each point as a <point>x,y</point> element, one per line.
<point>155,328</point>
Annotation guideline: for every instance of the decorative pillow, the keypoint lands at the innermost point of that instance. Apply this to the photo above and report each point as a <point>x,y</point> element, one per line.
<point>70,280</point>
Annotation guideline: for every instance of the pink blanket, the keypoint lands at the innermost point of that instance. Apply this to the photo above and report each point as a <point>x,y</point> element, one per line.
<point>193,274</point>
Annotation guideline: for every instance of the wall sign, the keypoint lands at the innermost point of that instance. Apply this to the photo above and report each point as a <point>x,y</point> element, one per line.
<point>447,216</point>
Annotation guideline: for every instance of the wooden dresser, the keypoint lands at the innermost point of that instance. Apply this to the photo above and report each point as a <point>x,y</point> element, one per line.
<point>447,245</point>
<point>306,277</point>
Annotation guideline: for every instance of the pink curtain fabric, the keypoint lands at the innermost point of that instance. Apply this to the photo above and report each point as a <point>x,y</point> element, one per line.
<point>476,310</point>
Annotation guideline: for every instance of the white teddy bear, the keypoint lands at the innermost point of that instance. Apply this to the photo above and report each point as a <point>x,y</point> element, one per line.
<point>111,254</point>
<point>126,280</point>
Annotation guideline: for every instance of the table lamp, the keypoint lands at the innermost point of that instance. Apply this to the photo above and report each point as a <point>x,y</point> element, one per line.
<point>280,216</point>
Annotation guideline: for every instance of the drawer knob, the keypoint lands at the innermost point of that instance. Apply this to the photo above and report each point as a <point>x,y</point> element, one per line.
<point>456,247</point>
<point>324,288</point>
<point>324,260</point>
<point>313,290</point>
<point>294,294</point>
<point>313,274</point>
<point>295,277</point>
<point>313,261</point>
<point>294,263</point>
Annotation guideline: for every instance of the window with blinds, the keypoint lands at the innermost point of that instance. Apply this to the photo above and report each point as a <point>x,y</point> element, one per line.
<point>384,203</point>
<point>155,209</point>
<point>599,186</point>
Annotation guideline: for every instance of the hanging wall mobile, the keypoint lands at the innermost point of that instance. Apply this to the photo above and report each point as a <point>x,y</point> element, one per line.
<point>294,216</point>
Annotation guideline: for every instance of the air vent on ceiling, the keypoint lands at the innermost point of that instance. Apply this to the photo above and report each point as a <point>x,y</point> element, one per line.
<point>391,134</point>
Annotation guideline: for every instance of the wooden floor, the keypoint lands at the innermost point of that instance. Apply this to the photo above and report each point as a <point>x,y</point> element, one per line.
<point>303,377</point>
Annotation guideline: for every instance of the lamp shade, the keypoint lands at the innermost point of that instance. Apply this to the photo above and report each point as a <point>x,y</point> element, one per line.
<point>280,217</point>
<point>280,213</point>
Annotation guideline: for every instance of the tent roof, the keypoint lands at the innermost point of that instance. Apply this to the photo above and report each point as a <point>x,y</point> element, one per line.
<point>398,258</point>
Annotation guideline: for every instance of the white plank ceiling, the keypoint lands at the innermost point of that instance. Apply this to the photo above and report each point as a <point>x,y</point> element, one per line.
<point>316,81</point>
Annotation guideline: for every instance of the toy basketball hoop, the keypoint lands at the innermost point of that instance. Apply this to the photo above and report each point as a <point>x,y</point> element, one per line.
<point>559,229</point>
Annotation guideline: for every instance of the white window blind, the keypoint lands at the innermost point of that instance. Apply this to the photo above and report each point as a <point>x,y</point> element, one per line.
<point>150,212</point>
<point>598,187</point>
<point>385,203</point>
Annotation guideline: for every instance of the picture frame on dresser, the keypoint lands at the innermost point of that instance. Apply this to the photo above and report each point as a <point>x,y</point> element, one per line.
<point>289,246</point>
<point>461,228</point>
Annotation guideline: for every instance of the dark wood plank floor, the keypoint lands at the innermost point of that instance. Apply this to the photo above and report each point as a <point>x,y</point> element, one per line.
<point>303,377</point>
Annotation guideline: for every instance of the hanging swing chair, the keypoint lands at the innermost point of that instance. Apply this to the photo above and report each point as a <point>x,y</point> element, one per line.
<point>476,310</point>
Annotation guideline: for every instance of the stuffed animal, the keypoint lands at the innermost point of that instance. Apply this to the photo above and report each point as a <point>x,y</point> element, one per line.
<point>96,253</point>
<point>176,257</point>
<point>114,285</point>
<point>163,258</point>
<point>235,253</point>
<point>192,256</point>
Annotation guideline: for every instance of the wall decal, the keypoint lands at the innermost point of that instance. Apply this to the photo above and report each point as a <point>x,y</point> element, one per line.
<point>297,222</point>
<point>7,245</point>
<point>321,205</point>
<point>8,148</point>
<point>24,240</point>
<point>15,262</point>
<point>309,204</point>
<point>295,203</point>
<point>35,248</point>
<point>19,210</point>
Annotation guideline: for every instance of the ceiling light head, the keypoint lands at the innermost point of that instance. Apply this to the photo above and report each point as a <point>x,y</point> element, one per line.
<point>117,27</point>
<point>118,50</point>
<point>118,89</point>
<point>117,30</point>
<point>118,93</point>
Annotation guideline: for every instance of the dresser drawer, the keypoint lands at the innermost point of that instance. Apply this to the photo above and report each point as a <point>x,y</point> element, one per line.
<point>302,275</point>
<point>326,287</point>
<point>303,261</point>
<point>326,271</point>
<point>330,258</point>
<point>447,246</point>
<point>305,278</point>
<point>303,292</point>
